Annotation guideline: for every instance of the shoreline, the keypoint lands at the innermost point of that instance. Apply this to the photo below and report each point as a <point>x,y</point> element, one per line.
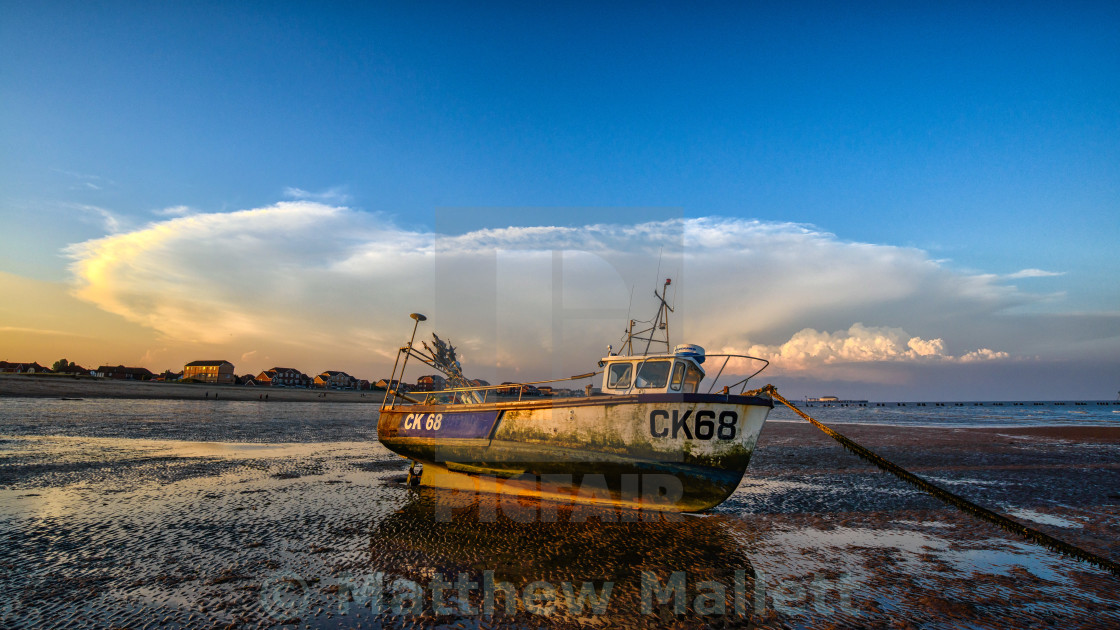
<point>978,426</point>
<point>22,386</point>
<point>782,434</point>
<point>962,440</point>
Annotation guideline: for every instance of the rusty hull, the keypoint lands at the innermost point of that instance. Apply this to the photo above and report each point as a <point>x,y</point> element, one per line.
<point>642,450</point>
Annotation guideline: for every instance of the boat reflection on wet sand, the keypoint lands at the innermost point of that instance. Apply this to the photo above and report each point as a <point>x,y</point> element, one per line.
<point>524,560</point>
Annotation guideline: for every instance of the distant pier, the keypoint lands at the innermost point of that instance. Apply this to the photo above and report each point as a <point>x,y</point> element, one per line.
<point>833,401</point>
<point>830,401</point>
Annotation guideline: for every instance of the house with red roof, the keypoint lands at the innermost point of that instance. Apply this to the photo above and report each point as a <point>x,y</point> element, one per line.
<point>283,377</point>
<point>335,379</point>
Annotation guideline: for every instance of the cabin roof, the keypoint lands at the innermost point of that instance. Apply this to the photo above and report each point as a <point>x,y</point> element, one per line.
<point>618,358</point>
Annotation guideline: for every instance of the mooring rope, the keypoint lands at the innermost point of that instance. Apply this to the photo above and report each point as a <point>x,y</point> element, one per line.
<point>959,502</point>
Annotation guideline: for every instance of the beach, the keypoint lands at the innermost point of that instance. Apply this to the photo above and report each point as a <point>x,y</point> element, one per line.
<point>57,386</point>
<point>200,514</point>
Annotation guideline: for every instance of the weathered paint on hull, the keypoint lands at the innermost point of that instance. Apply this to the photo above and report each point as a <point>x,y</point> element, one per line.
<point>680,452</point>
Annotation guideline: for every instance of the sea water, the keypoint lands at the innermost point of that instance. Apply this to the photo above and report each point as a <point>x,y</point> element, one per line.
<point>254,421</point>
<point>192,420</point>
<point>1001,414</point>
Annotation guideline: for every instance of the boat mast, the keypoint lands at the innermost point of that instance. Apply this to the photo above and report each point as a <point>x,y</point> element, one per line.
<point>658,327</point>
<point>661,321</point>
<point>630,343</point>
<point>406,350</point>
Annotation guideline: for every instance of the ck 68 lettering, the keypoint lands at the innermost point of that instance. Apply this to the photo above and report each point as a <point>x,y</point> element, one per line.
<point>704,425</point>
<point>429,421</point>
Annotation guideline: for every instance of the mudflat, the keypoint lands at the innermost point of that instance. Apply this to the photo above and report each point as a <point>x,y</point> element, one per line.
<point>122,526</point>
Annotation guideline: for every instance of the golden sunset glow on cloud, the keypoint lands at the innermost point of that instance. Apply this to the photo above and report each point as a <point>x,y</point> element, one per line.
<point>320,285</point>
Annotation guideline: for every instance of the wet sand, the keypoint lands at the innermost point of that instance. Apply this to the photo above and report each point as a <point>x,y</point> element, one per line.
<point>50,386</point>
<point>132,533</point>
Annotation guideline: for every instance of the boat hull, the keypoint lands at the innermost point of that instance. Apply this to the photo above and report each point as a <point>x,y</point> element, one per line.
<point>676,452</point>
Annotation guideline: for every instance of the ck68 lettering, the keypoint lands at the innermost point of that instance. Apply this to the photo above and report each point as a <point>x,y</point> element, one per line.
<point>429,421</point>
<point>704,425</point>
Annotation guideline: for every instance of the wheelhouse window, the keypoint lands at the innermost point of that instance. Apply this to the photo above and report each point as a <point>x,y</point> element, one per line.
<point>692,379</point>
<point>653,374</point>
<point>678,376</point>
<point>618,377</point>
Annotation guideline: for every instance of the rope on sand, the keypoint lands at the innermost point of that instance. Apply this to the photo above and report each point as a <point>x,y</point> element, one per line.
<point>959,502</point>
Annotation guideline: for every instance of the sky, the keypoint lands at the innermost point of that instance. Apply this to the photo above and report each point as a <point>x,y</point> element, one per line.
<point>885,201</point>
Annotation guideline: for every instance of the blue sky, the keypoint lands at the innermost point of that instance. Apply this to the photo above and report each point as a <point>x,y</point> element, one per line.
<point>985,135</point>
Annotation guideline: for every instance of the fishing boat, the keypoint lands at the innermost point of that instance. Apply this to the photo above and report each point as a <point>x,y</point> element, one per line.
<point>647,438</point>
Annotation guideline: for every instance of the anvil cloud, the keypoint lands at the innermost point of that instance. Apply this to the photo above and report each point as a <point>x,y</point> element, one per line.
<point>538,301</point>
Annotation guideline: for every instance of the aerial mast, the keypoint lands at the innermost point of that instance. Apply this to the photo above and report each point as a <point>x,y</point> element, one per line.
<point>661,321</point>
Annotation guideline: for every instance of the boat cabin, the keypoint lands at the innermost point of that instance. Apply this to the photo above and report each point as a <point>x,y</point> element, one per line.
<point>675,373</point>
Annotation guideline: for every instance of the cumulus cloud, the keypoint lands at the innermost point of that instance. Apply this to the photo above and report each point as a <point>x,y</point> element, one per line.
<point>534,300</point>
<point>984,354</point>
<point>209,276</point>
<point>861,344</point>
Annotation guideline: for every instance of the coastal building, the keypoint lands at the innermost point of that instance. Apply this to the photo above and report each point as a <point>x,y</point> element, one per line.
<point>283,377</point>
<point>22,368</point>
<point>122,373</point>
<point>334,379</point>
<point>247,379</point>
<point>167,376</point>
<point>386,385</point>
<point>213,371</point>
<point>73,370</point>
<point>430,383</point>
<point>515,390</point>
